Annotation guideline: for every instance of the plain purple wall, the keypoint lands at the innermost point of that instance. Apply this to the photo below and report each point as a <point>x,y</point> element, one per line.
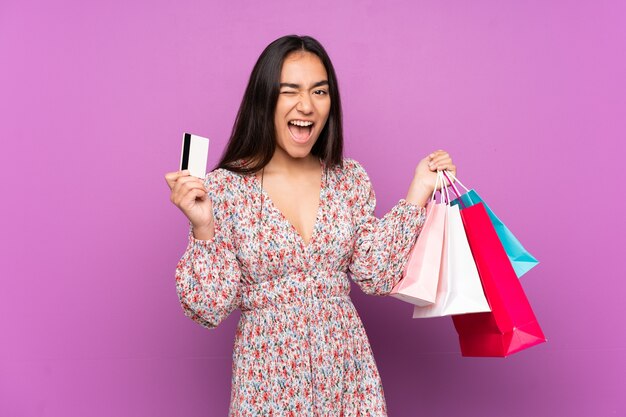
<point>528,97</point>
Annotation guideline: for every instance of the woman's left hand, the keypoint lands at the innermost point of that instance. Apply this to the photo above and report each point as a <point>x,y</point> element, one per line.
<point>426,171</point>
<point>425,179</point>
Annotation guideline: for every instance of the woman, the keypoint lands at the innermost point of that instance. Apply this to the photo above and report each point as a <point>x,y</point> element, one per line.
<point>275,228</point>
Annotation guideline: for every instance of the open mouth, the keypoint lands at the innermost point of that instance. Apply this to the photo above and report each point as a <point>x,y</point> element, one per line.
<point>300,130</point>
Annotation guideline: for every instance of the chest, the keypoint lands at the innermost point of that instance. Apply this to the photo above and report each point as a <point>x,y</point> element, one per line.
<point>280,228</point>
<point>297,201</point>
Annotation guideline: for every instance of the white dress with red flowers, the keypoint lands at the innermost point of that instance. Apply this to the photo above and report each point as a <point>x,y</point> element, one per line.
<point>300,347</point>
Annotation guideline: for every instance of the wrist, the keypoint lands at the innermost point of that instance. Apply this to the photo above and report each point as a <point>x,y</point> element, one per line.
<point>205,232</point>
<point>419,193</point>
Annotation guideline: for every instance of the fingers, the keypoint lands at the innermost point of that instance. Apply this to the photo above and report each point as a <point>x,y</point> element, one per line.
<point>187,181</point>
<point>188,194</point>
<point>183,185</point>
<point>175,174</point>
<point>439,156</point>
<point>440,161</point>
<point>437,153</point>
<point>171,177</point>
<point>192,194</point>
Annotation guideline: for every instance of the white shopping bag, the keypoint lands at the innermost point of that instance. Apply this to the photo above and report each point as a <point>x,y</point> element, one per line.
<point>460,290</point>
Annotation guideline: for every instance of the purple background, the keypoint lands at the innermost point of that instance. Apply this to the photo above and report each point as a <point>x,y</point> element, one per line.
<point>528,98</point>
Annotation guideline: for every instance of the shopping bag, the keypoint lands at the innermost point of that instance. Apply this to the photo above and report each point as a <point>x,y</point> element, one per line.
<point>460,290</point>
<point>511,325</point>
<point>420,277</point>
<point>519,257</point>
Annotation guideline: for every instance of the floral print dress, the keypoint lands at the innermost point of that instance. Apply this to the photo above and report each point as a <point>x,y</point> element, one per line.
<point>300,347</point>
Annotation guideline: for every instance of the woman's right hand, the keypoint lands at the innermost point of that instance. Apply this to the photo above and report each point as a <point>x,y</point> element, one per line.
<point>190,196</point>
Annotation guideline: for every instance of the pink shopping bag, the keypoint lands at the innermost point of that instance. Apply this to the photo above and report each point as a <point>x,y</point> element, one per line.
<point>421,275</point>
<point>511,325</point>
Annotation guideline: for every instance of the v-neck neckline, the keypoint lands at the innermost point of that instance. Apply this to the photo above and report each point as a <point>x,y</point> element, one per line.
<point>316,225</point>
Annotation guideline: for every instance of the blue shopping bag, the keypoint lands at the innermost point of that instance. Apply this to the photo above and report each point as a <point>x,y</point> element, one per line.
<point>520,258</point>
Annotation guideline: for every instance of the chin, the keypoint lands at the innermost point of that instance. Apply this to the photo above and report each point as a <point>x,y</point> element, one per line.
<point>296,150</point>
<point>299,153</point>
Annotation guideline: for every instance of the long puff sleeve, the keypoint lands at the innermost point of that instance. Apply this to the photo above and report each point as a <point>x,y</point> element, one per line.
<point>382,246</point>
<point>208,273</point>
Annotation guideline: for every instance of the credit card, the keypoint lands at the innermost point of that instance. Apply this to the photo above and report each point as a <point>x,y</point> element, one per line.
<point>194,154</point>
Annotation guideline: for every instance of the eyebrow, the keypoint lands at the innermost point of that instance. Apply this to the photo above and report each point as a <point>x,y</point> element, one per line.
<point>317,84</point>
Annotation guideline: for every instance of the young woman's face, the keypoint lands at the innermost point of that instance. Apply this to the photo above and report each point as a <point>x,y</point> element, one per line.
<point>303,103</point>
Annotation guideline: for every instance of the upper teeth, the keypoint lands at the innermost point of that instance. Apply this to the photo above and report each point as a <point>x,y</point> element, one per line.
<point>300,123</point>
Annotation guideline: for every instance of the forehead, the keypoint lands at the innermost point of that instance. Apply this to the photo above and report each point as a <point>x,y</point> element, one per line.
<point>302,65</point>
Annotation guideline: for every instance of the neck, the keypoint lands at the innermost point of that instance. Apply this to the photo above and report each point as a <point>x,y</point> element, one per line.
<point>282,162</point>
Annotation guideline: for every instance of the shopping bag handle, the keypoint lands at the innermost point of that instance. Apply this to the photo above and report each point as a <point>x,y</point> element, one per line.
<point>449,174</point>
<point>455,190</point>
<point>455,179</point>
<point>435,190</point>
<point>432,198</point>
<point>445,195</point>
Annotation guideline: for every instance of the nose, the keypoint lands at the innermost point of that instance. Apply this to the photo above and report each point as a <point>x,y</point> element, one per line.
<point>305,105</point>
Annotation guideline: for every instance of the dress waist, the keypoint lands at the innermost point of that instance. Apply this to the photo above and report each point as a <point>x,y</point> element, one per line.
<point>295,287</point>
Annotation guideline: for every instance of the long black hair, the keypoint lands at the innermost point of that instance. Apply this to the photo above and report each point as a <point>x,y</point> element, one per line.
<point>253,137</point>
